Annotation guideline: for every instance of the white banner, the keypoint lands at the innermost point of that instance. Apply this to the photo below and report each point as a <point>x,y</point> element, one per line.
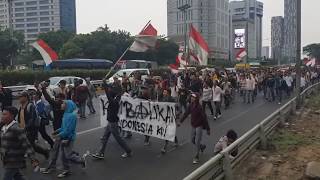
<point>156,119</point>
<point>103,110</point>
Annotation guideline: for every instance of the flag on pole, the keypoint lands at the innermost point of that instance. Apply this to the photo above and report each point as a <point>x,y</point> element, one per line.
<point>181,60</point>
<point>48,54</point>
<point>174,68</point>
<point>311,62</point>
<point>199,48</point>
<point>241,54</point>
<point>146,39</point>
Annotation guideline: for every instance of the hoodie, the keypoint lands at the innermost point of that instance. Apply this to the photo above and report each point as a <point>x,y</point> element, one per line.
<point>69,122</point>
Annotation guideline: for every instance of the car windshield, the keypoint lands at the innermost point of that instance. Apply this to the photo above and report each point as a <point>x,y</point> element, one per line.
<point>54,80</point>
<point>120,73</point>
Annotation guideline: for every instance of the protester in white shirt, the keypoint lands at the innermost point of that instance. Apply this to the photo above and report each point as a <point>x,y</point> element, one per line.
<point>289,81</point>
<point>216,98</point>
<point>207,97</point>
<point>250,85</point>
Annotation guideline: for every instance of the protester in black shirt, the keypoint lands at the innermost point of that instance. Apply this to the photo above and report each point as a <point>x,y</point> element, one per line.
<point>112,127</point>
<point>5,97</point>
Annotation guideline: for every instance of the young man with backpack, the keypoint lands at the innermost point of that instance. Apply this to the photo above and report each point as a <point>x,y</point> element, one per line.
<point>43,117</point>
<point>28,120</point>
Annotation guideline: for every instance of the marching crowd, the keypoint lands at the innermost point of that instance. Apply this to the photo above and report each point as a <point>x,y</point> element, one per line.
<point>192,91</point>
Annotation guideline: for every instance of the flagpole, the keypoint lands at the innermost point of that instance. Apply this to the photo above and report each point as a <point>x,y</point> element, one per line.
<point>112,68</point>
<point>124,53</point>
<point>145,26</point>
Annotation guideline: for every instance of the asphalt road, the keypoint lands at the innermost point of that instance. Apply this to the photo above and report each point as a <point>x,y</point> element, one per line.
<point>147,162</point>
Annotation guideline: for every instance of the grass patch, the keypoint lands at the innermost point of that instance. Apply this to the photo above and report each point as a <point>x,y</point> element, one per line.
<point>285,140</point>
<point>314,103</point>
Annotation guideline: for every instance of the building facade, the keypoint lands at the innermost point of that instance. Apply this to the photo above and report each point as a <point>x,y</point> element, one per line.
<point>247,25</point>
<point>209,17</point>
<point>290,29</point>
<point>277,37</point>
<point>32,17</point>
<point>265,52</point>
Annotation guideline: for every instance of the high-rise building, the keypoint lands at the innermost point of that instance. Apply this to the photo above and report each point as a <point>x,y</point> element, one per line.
<point>209,17</point>
<point>290,29</point>
<point>277,37</point>
<point>247,27</point>
<point>32,17</point>
<point>265,52</point>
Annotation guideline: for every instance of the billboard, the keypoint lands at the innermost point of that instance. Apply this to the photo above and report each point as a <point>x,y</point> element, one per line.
<point>239,38</point>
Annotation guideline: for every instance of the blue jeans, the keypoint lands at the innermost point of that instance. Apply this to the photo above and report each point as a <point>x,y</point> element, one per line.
<point>82,109</point>
<point>12,174</point>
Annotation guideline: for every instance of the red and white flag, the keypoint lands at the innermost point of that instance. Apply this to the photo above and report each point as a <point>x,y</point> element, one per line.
<point>48,54</point>
<point>241,54</point>
<point>181,60</point>
<point>199,48</point>
<point>174,68</point>
<point>311,62</point>
<point>146,39</point>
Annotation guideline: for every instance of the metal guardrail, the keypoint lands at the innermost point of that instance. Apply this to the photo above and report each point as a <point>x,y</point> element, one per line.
<point>222,165</point>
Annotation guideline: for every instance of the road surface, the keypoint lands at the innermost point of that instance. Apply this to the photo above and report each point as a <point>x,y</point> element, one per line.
<point>147,162</point>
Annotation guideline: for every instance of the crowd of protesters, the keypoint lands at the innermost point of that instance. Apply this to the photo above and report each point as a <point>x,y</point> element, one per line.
<point>192,91</point>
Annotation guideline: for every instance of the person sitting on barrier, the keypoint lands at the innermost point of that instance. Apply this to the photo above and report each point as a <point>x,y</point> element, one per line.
<point>225,141</point>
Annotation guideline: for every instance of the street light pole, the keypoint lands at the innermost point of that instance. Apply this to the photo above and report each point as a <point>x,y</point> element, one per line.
<point>298,55</point>
<point>184,9</point>
<point>10,27</point>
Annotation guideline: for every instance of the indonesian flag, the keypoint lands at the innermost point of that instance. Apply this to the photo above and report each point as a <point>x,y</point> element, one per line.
<point>241,54</point>
<point>48,54</point>
<point>145,40</point>
<point>181,60</point>
<point>199,49</point>
<point>174,68</point>
<point>311,62</point>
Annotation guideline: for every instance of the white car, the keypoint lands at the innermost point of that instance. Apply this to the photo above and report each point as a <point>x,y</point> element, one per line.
<point>130,74</point>
<point>54,82</point>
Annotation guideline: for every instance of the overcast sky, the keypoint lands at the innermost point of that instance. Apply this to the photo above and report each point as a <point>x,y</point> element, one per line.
<point>132,15</point>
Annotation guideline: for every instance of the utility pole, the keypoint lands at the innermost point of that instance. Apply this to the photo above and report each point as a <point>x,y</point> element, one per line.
<point>298,55</point>
<point>184,9</point>
<point>247,6</point>
<point>10,2</point>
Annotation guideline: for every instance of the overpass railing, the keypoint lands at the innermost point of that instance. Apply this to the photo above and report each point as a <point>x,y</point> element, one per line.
<point>222,165</point>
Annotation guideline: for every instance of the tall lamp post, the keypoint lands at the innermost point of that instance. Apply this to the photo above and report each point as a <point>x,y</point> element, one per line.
<point>184,9</point>
<point>298,55</point>
<point>10,28</point>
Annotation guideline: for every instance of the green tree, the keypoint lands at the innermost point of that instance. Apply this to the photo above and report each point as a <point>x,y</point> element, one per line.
<point>166,52</point>
<point>9,46</point>
<point>100,44</point>
<point>56,39</point>
<point>312,50</point>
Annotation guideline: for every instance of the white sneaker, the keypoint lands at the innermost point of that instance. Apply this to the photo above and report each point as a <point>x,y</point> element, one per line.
<point>219,116</point>
<point>195,161</point>
<point>126,155</point>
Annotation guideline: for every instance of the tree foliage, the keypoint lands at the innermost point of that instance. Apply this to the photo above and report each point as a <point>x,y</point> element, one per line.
<point>312,50</point>
<point>9,46</point>
<point>104,44</point>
